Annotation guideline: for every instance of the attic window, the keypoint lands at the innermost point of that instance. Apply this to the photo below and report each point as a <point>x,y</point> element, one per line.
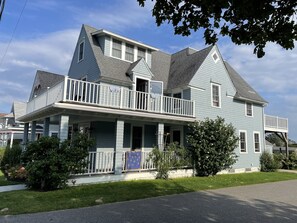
<point>141,53</point>
<point>129,52</point>
<point>116,48</point>
<point>81,51</point>
<point>215,57</point>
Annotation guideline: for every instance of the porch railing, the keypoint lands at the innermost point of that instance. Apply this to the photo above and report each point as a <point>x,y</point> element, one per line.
<point>276,123</point>
<point>72,90</point>
<point>103,162</point>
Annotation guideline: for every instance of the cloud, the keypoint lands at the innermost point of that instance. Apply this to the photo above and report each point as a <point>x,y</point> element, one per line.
<point>52,52</point>
<point>119,16</point>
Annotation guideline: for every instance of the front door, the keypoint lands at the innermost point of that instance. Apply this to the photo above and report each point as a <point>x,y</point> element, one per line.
<point>136,138</point>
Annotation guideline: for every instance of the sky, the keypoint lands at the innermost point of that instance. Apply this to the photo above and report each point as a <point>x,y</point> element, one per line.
<point>45,35</point>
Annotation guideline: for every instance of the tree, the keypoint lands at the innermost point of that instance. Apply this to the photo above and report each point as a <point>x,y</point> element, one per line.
<point>2,4</point>
<point>274,139</point>
<point>212,144</point>
<point>244,21</point>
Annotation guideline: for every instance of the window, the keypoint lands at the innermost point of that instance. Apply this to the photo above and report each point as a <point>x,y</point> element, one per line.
<point>81,51</point>
<point>129,52</point>
<point>249,109</point>
<point>215,57</point>
<point>257,142</point>
<point>216,95</point>
<point>242,141</point>
<point>141,53</point>
<point>116,48</point>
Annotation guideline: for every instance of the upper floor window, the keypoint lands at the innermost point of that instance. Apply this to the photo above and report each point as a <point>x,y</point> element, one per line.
<point>81,51</point>
<point>216,95</point>
<point>242,141</point>
<point>249,109</point>
<point>140,53</point>
<point>215,57</point>
<point>257,142</point>
<point>129,52</point>
<point>116,48</point>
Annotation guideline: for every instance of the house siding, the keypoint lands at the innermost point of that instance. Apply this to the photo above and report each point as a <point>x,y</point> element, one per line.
<point>149,58</point>
<point>104,134</point>
<point>233,111</point>
<point>141,70</point>
<point>86,67</point>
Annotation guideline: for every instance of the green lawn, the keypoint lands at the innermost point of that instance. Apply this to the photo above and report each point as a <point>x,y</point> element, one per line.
<point>81,196</point>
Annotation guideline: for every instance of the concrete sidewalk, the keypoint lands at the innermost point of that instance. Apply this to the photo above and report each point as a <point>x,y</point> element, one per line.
<point>12,187</point>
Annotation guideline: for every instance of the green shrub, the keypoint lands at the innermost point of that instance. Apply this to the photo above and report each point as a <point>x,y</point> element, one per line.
<point>212,144</point>
<point>11,158</point>
<point>278,159</point>
<point>290,162</point>
<point>50,163</point>
<point>267,163</point>
<point>174,156</point>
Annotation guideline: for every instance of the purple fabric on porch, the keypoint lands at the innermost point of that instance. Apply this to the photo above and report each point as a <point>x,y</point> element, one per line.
<point>133,160</point>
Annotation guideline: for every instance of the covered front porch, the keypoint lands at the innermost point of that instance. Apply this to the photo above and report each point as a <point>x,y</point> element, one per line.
<point>122,141</point>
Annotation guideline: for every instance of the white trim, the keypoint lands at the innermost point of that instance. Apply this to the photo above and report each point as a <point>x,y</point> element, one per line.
<point>246,148</point>
<point>220,95</point>
<point>197,88</point>
<point>102,31</point>
<point>218,57</point>
<point>257,132</point>
<point>83,53</point>
<point>252,107</point>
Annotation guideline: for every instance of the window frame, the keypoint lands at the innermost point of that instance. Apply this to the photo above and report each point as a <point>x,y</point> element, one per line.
<point>144,51</point>
<point>215,54</point>
<point>81,51</point>
<point>129,46</point>
<point>116,49</point>
<point>245,142</point>
<point>259,142</point>
<point>219,95</point>
<point>251,110</point>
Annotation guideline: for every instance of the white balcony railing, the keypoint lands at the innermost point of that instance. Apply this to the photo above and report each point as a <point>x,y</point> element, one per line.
<point>274,123</point>
<point>72,90</point>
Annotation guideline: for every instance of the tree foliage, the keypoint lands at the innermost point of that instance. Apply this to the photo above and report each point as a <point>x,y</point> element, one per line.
<point>50,163</point>
<point>244,21</point>
<point>268,163</point>
<point>174,156</point>
<point>2,4</point>
<point>11,158</point>
<point>212,144</point>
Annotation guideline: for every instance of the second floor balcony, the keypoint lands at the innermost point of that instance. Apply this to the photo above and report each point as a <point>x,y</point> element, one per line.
<point>276,124</point>
<point>116,97</point>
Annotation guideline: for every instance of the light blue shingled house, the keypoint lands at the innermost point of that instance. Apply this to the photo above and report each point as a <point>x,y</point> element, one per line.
<point>130,96</point>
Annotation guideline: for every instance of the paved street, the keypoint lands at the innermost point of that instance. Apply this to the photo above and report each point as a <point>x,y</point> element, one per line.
<point>271,202</point>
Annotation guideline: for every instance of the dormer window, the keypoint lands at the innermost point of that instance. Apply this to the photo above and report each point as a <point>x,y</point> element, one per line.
<point>129,55</point>
<point>140,53</point>
<point>116,48</point>
<point>81,51</point>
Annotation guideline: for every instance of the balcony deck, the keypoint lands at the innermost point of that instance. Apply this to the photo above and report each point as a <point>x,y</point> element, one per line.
<point>276,124</point>
<point>92,94</point>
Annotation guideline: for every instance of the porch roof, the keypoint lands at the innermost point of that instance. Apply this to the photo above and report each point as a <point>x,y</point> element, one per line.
<point>83,110</point>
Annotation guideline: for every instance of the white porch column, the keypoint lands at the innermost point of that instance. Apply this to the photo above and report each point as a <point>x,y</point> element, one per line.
<point>118,161</point>
<point>46,124</point>
<point>11,139</point>
<point>63,127</point>
<point>160,137</point>
<point>33,131</point>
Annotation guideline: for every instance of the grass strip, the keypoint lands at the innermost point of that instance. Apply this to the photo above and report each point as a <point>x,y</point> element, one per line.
<point>20,202</point>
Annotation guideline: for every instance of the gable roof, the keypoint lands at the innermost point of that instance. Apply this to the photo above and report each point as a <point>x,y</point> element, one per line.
<point>43,80</point>
<point>184,65</point>
<point>111,69</point>
<point>243,90</point>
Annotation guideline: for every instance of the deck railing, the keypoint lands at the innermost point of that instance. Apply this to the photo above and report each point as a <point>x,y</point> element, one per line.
<point>276,123</point>
<point>90,93</point>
